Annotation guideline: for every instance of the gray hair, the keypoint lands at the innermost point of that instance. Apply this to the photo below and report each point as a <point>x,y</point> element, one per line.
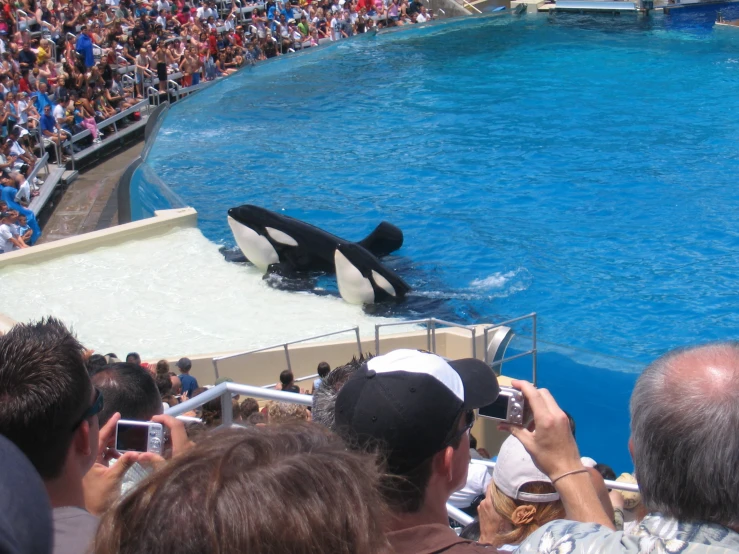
<point>324,398</point>
<point>685,434</point>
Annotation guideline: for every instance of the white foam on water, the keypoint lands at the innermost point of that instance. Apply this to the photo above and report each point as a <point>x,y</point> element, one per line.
<point>169,296</point>
<point>510,282</point>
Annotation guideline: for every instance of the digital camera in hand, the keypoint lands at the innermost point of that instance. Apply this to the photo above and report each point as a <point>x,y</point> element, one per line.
<point>139,436</point>
<point>509,407</point>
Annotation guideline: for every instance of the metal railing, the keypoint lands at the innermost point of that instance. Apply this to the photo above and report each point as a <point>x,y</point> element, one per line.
<point>224,391</point>
<point>431,324</point>
<point>152,92</point>
<point>628,487</point>
<point>499,363</point>
<point>285,347</point>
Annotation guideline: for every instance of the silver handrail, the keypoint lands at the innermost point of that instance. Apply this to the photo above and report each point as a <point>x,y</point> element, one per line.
<point>458,515</point>
<point>224,391</point>
<point>628,487</point>
<point>431,324</point>
<point>152,92</point>
<point>533,350</point>
<point>285,346</point>
<point>172,85</point>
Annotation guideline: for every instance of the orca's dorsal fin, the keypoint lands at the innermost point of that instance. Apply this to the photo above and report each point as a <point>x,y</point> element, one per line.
<point>385,239</point>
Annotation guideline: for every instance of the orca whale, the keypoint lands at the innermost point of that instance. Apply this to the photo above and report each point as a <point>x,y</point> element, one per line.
<point>282,245</point>
<point>362,279</point>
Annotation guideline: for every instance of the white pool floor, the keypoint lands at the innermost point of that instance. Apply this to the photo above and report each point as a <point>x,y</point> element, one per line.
<point>169,296</point>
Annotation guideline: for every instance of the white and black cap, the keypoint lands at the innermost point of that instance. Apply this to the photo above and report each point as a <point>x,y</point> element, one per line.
<point>409,403</point>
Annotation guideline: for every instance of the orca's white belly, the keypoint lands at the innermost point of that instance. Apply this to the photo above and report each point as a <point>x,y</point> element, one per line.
<point>255,247</point>
<point>353,287</point>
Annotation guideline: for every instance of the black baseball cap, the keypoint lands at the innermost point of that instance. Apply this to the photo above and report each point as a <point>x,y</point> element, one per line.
<point>184,363</point>
<point>408,403</point>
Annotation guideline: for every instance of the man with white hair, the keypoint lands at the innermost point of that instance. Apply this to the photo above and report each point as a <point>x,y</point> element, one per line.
<point>685,446</point>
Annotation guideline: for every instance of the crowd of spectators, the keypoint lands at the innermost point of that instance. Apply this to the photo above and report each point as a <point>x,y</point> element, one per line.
<point>369,469</point>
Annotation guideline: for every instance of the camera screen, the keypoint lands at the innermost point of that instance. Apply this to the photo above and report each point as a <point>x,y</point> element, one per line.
<point>498,409</point>
<point>132,437</point>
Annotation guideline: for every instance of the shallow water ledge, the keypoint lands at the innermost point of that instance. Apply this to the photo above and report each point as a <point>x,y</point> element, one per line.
<point>162,222</point>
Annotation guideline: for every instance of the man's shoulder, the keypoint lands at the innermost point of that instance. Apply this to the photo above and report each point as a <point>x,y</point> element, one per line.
<point>433,538</point>
<point>74,529</point>
<point>655,534</point>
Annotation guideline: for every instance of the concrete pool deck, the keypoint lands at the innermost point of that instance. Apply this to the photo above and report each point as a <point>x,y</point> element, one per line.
<point>90,202</point>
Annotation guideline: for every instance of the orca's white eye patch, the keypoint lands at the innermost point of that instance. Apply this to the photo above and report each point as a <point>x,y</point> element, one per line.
<point>281,237</point>
<point>383,283</point>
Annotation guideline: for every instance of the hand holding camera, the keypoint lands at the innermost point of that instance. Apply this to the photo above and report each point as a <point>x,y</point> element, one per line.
<point>550,443</point>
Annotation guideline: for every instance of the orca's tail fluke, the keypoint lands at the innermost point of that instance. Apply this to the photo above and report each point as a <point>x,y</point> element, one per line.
<point>385,239</point>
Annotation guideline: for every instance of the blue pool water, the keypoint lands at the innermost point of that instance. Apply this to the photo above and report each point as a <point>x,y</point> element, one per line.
<point>581,167</point>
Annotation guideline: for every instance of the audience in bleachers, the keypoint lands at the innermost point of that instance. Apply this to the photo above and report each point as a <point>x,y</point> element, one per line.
<point>405,419</point>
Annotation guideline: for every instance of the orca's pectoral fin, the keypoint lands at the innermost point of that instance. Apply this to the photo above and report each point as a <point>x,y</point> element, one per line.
<point>385,239</point>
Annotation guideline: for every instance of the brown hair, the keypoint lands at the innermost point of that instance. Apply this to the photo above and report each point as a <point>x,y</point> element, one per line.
<point>243,485</point>
<point>247,407</point>
<point>529,517</point>
<point>282,412</point>
<point>162,367</point>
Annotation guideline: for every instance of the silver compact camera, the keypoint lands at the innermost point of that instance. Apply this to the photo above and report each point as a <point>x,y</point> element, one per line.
<point>139,436</point>
<point>509,407</point>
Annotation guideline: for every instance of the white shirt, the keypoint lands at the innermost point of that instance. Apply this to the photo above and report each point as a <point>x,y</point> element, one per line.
<point>5,235</point>
<point>336,29</point>
<point>58,112</point>
<point>163,5</point>
<point>420,18</point>
<point>24,192</point>
<point>478,479</point>
<point>205,13</point>
<point>22,113</point>
<point>16,149</point>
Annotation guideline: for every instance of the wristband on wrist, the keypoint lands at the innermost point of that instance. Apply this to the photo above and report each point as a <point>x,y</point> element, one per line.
<point>573,472</point>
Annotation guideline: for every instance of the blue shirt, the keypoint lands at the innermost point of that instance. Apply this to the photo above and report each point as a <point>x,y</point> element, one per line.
<point>84,47</point>
<point>189,384</point>
<point>41,99</point>
<point>48,123</point>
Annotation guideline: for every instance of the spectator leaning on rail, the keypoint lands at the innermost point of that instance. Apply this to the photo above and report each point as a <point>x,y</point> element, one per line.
<point>684,442</point>
<point>418,410</point>
<point>49,409</point>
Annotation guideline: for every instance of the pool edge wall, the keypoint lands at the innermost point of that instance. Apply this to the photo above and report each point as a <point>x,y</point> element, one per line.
<point>163,222</point>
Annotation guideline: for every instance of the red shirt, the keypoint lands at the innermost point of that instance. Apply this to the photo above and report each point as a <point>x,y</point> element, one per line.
<point>183,17</point>
<point>23,85</point>
<point>213,44</point>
